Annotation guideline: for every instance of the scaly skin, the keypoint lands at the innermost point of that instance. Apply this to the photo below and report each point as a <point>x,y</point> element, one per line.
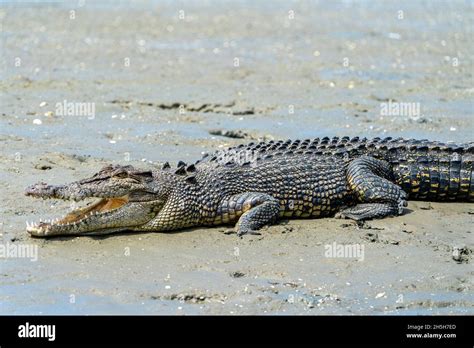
<point>254,185</point>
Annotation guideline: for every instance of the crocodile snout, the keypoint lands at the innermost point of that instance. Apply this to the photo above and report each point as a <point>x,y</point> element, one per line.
<point>41,189</point>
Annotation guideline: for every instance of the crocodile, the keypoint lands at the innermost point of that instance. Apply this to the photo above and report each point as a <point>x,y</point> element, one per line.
<point>253,185</point>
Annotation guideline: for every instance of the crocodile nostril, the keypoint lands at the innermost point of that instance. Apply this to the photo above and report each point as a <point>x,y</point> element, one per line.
<point>40,189</point>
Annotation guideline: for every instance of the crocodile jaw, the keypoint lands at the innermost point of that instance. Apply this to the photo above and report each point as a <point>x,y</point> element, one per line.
<point>76,220</point>
<point>104,216</point>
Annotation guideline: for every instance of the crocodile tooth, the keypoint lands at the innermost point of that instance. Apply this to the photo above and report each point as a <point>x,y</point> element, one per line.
<point>27,224</point>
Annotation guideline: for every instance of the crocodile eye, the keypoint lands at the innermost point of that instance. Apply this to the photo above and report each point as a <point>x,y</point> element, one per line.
<point>121,175</point>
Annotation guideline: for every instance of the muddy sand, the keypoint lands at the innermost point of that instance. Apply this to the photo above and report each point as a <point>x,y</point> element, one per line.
<point>162,77</point>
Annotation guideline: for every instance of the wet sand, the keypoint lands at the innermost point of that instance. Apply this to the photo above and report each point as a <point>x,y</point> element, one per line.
<point>161,80</point>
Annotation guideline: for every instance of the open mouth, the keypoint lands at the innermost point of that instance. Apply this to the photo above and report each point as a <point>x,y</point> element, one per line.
<point>81,216</point>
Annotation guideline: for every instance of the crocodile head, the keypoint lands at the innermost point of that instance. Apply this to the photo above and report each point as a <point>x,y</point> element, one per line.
<point>125,198</point>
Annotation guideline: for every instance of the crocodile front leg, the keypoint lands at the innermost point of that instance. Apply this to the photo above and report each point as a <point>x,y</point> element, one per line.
<point>254,208</point>
<point>369,180</point>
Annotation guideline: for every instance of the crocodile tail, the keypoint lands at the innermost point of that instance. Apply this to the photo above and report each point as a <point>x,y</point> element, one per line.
<point>438,176</point>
